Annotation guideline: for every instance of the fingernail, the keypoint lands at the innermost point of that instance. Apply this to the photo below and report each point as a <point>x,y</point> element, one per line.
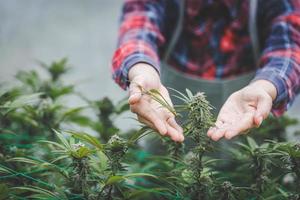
<point>133,98</point>
<point>260,120</point>
<point>181,138</point>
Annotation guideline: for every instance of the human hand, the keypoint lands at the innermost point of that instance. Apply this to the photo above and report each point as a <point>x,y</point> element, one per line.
<point>244,109</point>
<point>149,111</point>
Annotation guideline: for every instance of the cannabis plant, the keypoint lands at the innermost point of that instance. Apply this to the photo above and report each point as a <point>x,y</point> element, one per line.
<point>44,153</point>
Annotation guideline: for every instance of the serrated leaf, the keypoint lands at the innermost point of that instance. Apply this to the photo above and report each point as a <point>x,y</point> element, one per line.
<point>189,93</point>
<point>87,138</point>
<point>63,140</point>
<point>52,143</point>
<point>252,143</point>
<point>81,152</point>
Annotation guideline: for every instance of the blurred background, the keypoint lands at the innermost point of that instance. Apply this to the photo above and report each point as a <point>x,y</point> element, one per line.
<point>83,31</point>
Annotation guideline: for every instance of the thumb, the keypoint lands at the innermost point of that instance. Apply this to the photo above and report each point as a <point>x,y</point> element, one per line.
<point>263,109</point>
<point>135,92</point>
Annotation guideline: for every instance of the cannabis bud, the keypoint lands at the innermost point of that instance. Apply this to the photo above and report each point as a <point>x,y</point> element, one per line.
<point>117,145</point>
<point>77,146</point>
<point>199,119</point>
<point>116,149</point>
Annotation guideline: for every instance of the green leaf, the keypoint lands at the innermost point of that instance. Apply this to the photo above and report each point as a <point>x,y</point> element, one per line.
<point>252,143</point>
<point>118,178</point>
<point>25,160</point>
<point>189,93</point>
<point>70,113</point>
<point>52,143</point>
<point>63,140</point>
<point>38,190</point>
<point>59,158</point>
<point>132,175</point>
<point>4,192</point>
<point>182,96</point>
<point>114,179</point>
<point>87,138</point>
<point>81,152</point>
<point>5,170</point>
<point>21,101</point>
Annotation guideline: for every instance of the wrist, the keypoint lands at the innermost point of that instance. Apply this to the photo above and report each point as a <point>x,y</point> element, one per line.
<point>142,69</point>
<point>267,86</point>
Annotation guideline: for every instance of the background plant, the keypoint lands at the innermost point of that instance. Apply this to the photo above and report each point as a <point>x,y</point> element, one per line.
<point>41,158</point>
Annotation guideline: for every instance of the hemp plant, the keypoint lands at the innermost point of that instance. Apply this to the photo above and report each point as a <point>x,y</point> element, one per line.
<point>40,159</point>
<point>199,119</point>
<point>289,152</point>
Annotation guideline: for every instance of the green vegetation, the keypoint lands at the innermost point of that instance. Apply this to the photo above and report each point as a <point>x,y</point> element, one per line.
<point>44,154</point>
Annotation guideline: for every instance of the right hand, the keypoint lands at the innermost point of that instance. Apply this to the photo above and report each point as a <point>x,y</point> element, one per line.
<point>149,111</point>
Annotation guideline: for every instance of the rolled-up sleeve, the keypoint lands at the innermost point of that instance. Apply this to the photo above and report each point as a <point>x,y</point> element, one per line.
<point>140,35</point>
<point>280,59</point>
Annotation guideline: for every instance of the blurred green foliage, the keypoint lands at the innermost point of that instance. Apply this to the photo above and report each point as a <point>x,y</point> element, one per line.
<point>41,159</point>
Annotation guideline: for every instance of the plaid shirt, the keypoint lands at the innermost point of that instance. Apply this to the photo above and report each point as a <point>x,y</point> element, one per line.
<point>214,42</point>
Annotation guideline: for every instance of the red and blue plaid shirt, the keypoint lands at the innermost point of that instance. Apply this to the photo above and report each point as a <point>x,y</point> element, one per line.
<point>214,42</point>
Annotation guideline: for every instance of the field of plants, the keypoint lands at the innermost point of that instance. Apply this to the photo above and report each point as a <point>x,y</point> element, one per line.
<point>42,157</point>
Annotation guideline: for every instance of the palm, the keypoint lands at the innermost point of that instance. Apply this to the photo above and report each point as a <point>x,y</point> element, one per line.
<point>148,110</point>
<point>237,116</point>
<point>241,112</point>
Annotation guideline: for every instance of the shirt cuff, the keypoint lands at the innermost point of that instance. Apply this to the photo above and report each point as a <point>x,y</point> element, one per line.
<point>280,104</point>
<point>122,74</point>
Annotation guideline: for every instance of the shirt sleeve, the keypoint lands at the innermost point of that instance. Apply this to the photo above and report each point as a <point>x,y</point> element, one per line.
<point>280,59</point>
<point>140,36</point>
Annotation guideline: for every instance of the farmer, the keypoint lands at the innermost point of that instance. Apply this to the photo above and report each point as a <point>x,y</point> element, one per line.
<point>212,46</point>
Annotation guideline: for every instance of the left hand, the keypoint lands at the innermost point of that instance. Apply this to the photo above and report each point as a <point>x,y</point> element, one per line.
<point>244,109</point>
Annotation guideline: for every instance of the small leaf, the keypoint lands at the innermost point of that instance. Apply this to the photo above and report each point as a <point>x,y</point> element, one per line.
<point>5,170</point>
<point>114,179</point>
<point>25,160</point>
<point>252,143</point>
<point>81,152</point>
<point>139,175</point>
<point>189,93</point>
<point>52,143</point>
<point>63,140</point>
<point>38,190</point>
<point>59,158</point>
<point>87,138</point>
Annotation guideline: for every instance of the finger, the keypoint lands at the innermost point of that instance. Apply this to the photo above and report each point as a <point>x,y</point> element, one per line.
<point>258,119</point>
<point>221,121</point>
<point>211,131</point>
<point>135,93</point>
<point>218,134</point>
<point>263,109</point>
<point>144,110</point>
<point>172,122</point>
<point>173,133</point>
<point>146,122</point>
<point>229,134</point>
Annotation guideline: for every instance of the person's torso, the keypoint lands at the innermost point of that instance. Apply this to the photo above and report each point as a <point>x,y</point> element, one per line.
<point>214,42</point>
